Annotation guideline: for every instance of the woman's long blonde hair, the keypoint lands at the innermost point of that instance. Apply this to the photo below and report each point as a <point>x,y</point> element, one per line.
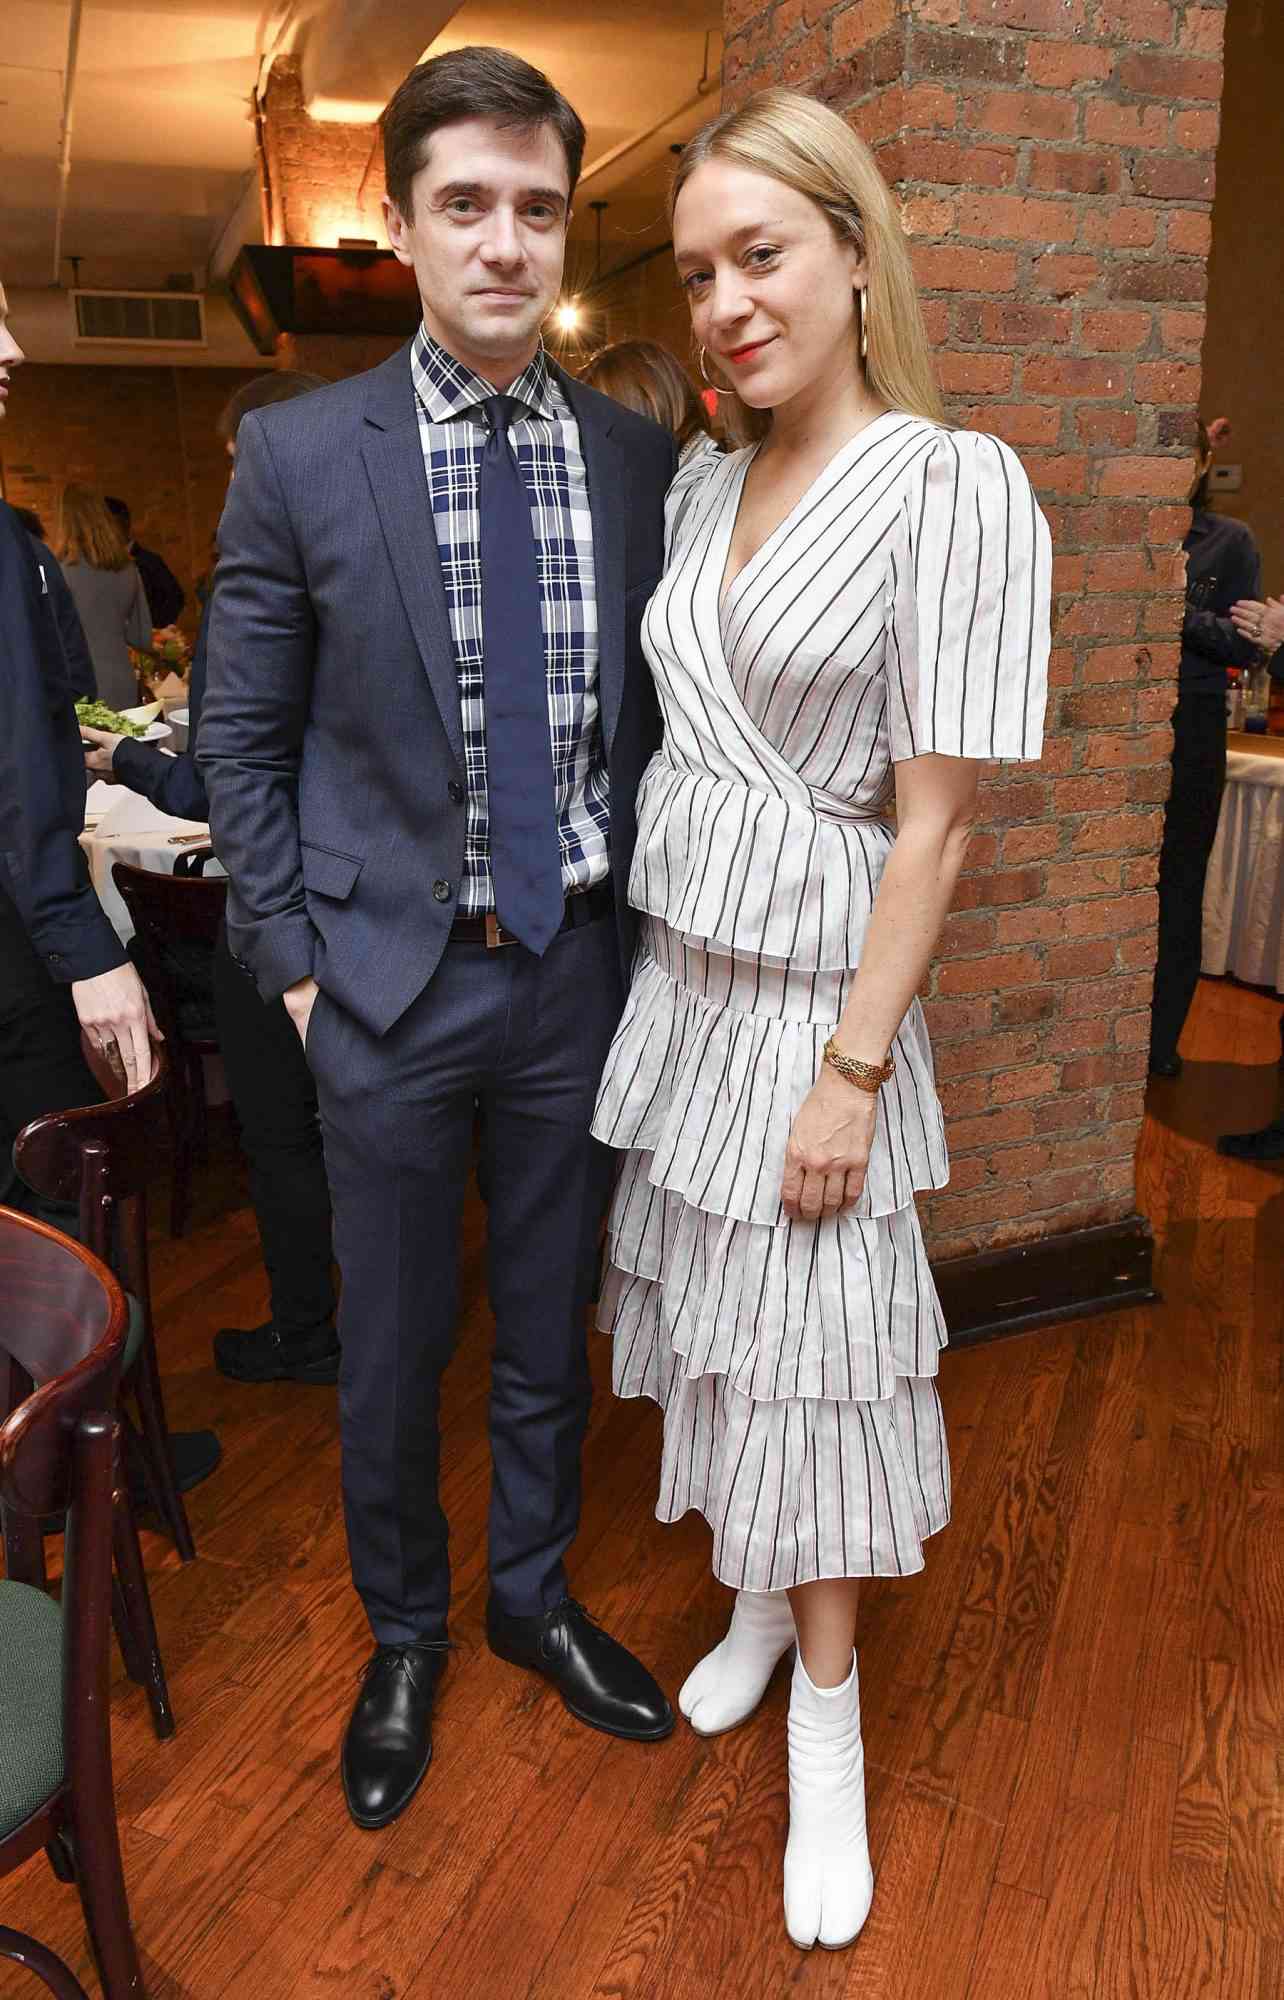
<point>807,147</point>
<point>90,531</point>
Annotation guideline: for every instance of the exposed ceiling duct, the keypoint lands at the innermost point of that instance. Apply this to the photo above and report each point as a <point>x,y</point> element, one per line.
<point>356,52</point>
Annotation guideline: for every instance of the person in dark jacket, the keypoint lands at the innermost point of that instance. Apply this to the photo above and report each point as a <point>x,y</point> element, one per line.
<point>272,1088</point>
<point>62,967</point>
<point>164,593</point>
<point>75,646</point>
<point>1222,566</point>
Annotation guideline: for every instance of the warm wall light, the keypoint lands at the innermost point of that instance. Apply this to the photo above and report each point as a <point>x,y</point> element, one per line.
<point>567,317</point>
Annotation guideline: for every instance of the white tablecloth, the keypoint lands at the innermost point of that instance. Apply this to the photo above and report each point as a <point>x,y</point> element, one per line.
<point>1244,893</point>
<point>131,829</point>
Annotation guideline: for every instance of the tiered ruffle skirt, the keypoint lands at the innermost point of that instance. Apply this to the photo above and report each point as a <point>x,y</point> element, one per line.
<point>794,1361</point>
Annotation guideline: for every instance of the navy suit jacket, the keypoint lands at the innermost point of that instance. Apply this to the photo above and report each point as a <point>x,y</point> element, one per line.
<point>331,742</point>
<point>42,775</point>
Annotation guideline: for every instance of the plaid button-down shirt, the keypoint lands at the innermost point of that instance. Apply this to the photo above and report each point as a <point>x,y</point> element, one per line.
<point>546,440</point>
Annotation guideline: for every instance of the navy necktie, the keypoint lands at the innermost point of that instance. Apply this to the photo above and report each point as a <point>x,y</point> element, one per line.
<point>525,854</point>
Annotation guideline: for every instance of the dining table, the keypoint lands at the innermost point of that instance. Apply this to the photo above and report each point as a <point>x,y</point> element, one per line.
<point>1243,917</point>
<point>121,825</point>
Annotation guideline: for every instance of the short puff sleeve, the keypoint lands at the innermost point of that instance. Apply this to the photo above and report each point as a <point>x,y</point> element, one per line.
<point>970,632</point>
<point>697,463</point>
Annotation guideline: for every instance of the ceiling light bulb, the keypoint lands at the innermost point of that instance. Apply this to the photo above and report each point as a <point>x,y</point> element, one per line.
<point>568,318</point>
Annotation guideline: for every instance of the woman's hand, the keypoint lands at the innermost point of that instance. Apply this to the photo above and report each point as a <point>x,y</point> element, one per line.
<point>828,1149</point>
<point>99,758</point>
<point>1262,623</point>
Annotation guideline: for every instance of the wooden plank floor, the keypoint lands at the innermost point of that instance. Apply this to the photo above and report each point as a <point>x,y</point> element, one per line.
<point>1074,1719</point>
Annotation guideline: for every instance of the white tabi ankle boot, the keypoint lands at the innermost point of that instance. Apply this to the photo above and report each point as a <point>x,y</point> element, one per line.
<point>729,1682</point>
<point>829,1883</point>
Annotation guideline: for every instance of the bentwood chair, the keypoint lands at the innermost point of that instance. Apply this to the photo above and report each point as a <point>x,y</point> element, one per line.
<point>62,1339</point>
<point>176,920</point>
<point>100,1157</point>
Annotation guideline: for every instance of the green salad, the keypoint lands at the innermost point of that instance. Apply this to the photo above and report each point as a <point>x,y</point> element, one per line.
<point>97,715</point>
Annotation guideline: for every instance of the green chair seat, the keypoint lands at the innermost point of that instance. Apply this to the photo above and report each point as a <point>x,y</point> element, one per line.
<point>31,1758</point>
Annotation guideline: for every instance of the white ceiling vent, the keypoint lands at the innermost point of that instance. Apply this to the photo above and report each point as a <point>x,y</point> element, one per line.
<point>140,319</point>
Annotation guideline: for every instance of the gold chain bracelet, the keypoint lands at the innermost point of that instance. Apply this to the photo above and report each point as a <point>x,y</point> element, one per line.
<point>866,1076</point>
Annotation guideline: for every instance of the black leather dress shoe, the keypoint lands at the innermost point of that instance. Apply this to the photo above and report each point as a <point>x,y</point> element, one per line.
<point>388,1743</point>
<point>599,1681</point>
<point>263,1354</point>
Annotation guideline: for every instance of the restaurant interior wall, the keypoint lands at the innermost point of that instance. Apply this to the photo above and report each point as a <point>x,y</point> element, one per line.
<point>1055,159</point>
<point>1245,339</point>
<point>146,434</point>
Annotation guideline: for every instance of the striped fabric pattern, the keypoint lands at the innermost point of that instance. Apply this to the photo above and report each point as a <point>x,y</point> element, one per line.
<point>901,607</point>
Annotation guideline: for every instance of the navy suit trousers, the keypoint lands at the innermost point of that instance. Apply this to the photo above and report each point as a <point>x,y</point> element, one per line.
<point>528,1038</point>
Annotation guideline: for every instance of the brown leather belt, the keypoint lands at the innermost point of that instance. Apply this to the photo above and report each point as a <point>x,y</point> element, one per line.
<point>583,906</point>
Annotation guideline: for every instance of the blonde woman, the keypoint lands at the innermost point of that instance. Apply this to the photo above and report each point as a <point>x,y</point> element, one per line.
<point>108,592</point>
<point>854,612</point>
<point>649,380</point>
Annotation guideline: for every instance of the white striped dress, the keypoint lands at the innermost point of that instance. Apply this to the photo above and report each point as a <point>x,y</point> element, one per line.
<point>901,607</point>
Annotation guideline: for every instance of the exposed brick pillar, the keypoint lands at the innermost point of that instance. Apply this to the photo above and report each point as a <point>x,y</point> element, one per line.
<point>323,181</point>
<point>1055,164</point>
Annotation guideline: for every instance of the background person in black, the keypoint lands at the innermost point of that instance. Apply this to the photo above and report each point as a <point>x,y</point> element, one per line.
<point>1222,566</point>
<point>267,1074</point>
<point>164,593</point>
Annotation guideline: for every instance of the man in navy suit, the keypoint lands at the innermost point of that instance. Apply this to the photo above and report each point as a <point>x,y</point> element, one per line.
<point>427,715</point>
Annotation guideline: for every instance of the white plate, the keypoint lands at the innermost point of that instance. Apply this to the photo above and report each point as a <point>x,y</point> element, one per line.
<point>157,733</point>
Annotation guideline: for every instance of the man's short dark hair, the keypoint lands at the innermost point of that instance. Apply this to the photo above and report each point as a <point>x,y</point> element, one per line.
<point>279,387</point>
<point>471,83</point>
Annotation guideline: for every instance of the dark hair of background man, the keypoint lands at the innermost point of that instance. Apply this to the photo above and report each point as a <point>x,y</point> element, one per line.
<point>471,83</point>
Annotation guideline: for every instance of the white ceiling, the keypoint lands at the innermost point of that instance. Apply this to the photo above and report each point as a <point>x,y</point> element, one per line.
<point>162,145</point>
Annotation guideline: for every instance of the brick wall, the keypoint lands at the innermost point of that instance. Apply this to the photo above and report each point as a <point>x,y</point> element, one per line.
<point>326,180</point>
<point>1055,162</point>
<point>146,434</point>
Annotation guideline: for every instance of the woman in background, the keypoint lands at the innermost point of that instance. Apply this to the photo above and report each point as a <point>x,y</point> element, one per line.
<point>107,590</point>
<point>649,380</point>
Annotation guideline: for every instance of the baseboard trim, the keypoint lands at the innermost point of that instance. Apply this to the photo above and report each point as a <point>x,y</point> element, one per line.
<point>1084,1271</point>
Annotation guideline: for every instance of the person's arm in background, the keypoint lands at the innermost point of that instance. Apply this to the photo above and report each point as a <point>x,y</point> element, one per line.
<point>1214,633</point>
<point>81,678</point>
<point>42,813</point>
<point>262,646</point>
<point>174,784</point>
<point>1262,623</point>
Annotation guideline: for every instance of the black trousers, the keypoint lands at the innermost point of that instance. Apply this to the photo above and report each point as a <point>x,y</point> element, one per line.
<point>41,1065</point>
<point>275,1100</point>
<point>528,1038</point>
<point>1190,828</point>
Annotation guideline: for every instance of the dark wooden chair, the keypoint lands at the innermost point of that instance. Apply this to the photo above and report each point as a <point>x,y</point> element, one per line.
<point>62,1341</point>
<point>100,1157</point>
<point>176,919</point>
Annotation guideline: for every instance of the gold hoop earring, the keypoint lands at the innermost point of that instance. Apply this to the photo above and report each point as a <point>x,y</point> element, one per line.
<point>863,295</point>
<point>708,379</point>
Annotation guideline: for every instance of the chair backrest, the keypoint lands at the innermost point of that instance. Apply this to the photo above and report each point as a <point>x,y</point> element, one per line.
<point>167,907</point>
<point>64,1325</point>
<point>111,1146</point>
<point>63,1329</point>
